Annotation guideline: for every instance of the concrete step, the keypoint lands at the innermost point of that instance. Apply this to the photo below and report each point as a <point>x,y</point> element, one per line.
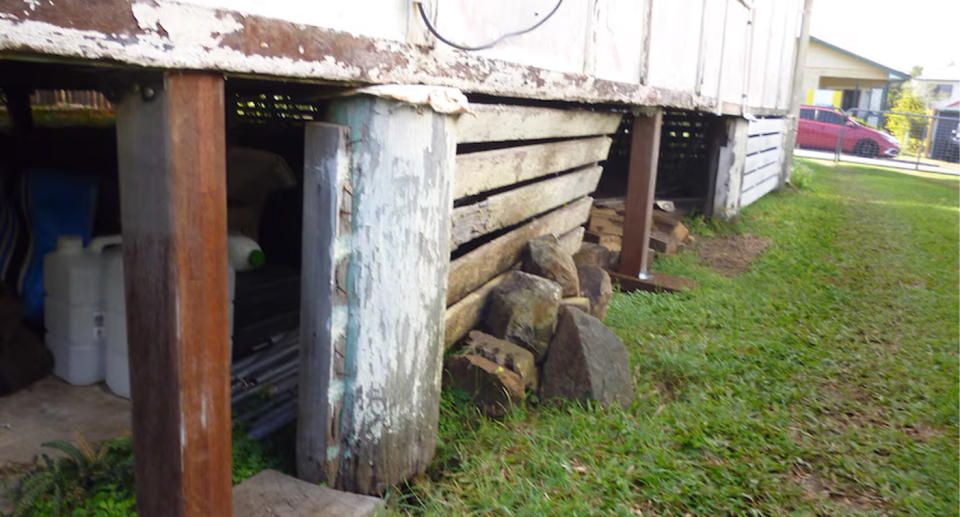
<point>273,494</point>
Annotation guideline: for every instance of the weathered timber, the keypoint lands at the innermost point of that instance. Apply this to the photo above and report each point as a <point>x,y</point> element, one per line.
<point>480,265</point>
<point>663,243</point>
<point>641,185</point>
<point>514,206</point>
<point>172,163</point>
<point>271,493</point>
<point>402,159</point>
<point>658,282</point>
<point>487,170</point>
<point>467,313</point>
<point>496,123</point>
<point>327,205</point>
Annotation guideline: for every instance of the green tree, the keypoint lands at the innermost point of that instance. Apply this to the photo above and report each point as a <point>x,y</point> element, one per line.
<point>910,130</point>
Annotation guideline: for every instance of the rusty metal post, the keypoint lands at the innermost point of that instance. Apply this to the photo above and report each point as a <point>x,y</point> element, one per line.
<point>171,151</point>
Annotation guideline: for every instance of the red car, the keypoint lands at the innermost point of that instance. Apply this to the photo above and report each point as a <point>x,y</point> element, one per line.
<point>820,127</point>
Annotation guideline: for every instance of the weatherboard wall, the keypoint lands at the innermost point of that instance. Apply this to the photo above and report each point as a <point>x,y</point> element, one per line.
<point>725,56</point>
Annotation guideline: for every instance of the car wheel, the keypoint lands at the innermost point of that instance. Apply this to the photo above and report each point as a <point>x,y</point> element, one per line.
<point>866,148</point>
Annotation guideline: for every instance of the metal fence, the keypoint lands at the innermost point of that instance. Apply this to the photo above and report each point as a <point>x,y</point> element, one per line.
<point>927,142</point>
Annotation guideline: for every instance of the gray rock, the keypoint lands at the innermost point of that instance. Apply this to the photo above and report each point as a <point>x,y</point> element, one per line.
<point>523,310</point>
<point>587,361</point>
<point>545,257</point>
<point>592,254</point>
<point>595,285</point>
<point>494,388</point>
<point>516,358</point>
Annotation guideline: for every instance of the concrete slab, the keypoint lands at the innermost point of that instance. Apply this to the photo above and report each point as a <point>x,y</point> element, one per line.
<point>50,409</point>
<point>271,493</point>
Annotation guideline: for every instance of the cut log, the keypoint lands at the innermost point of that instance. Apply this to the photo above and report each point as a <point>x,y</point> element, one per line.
<point>512,207</point>
<point>465,315</point>
<point>496,122</point>
<point>480,265</point>
<point>487,170</point>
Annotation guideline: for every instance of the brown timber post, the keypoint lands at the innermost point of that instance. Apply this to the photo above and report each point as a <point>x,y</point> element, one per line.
<point>171,152</point>
<point>641,187</point>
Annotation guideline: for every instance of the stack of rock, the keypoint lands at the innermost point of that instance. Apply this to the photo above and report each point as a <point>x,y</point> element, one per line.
<point>542,332</point>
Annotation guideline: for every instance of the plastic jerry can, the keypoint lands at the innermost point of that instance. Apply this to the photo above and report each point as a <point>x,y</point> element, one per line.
<point>73,308</point>
<point>117,348</point>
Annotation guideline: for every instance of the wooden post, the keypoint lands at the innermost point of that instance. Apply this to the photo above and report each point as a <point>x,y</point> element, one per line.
<point>171,152</point>
<point>641,187</point>
<point>370,386</point>
<point>731,157</point>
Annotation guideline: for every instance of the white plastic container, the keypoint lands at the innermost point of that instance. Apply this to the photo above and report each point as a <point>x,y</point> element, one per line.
<point>244,253</point>
<point>73,308</point>
<point>115,321</point>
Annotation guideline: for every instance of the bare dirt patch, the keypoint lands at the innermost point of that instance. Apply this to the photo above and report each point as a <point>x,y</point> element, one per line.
<point>818,487</point>
<point>731,255</point>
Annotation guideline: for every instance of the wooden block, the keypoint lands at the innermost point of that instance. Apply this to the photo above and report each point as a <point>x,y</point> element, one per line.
<point>511,207</point>
<point>676,231</point>
<point>605,227</point>
<point>487,170</point>
<point>471,270</point>
<point>617,204</point>
<point>497,123</point>
<point>272,493</point>
<point>658,282</point>
<point>612,242</point>
<point>663,243</point>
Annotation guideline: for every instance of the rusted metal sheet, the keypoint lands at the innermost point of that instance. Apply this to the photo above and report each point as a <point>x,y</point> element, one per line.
<point>175,35</point>
<point>173,204</point>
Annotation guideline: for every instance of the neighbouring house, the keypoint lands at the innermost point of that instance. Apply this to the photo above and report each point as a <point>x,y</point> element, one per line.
<point>836,77</point>
<point>421,171</point>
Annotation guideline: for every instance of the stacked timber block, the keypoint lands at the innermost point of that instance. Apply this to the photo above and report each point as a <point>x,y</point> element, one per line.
<point>510,187</point>
<point>542,333</point>
<point>667,233</point>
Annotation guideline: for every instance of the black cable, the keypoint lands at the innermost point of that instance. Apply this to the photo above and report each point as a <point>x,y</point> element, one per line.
<point>433,30</point>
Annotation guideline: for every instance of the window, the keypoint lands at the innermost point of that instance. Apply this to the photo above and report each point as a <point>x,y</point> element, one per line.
<point>807,114</point>
<point>831,117</point>
<point>944,90</point>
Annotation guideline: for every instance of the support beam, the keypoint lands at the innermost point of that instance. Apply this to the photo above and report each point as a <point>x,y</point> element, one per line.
<point>797,94</point>
<point>641,187</point>
<point>731,159</point>
<point>382,401</point>
<point>171,154</point>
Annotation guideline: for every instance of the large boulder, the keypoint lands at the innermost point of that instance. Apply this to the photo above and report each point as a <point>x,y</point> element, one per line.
<point>587,361</point>
<point>596,286</point>
<point>523,309</point>
<point>516,358</point>
<point>494,388</point>
<point>545,257</point>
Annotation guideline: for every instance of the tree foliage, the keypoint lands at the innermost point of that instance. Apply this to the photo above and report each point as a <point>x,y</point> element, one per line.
<point>908,100</point>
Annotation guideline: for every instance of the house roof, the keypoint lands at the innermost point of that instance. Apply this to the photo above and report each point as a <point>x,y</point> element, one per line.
<point>893,72</point>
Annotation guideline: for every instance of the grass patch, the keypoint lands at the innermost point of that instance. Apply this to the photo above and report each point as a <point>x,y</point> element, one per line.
<point>99,481</point>
<point>823,380</point>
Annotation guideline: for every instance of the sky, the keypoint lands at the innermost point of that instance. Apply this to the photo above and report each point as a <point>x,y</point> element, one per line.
<point>895,33</point>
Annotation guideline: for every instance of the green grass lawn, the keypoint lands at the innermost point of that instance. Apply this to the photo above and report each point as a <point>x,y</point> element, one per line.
<point>823,381</point>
